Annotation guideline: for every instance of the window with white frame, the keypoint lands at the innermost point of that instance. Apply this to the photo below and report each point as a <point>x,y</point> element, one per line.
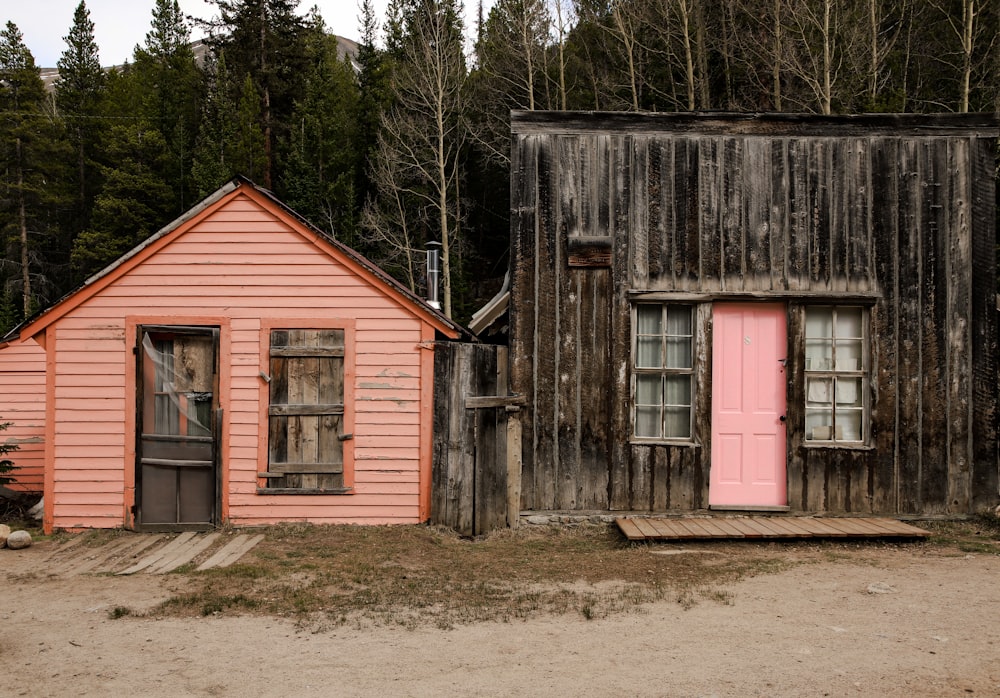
<point>663,371</point>
<point>836,373</point>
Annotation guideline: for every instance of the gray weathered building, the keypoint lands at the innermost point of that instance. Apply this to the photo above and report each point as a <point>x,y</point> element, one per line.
<point>665,266</point>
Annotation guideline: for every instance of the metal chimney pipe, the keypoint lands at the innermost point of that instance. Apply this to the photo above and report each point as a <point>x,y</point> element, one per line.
<point>433,274</point>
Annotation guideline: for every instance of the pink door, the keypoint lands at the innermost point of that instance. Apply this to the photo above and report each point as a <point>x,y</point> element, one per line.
<point>748,405</point>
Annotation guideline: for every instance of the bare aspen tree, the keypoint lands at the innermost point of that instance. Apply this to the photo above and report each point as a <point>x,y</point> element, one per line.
<point>421,138</point>
<point>975,44</point>
<point>512,72</point>
<point>623,27</point>
<point>561,29</point>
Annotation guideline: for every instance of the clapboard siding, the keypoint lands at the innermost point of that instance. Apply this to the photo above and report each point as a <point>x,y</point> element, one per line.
<point>22,404</point>
<point>896,213</point>
<point>243,268</point>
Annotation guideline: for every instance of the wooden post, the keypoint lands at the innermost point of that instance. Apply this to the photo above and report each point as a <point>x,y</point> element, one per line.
<point>513,465</point>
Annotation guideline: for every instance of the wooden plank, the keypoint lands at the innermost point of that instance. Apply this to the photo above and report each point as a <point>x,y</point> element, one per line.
<point>787,525</point>
<point>899,528</point>
<point>305,410</point>
<point>679,529</point>
<point>231,551</point>
<point>876,525</point>
<point>666,528</point>
<point>156,556</point>
<point>183,555</point>
<point>308,352</point>
<point>485,401</point>
<point>628,527</point>
<point>773,529</point>
<point>817,527</point>
<point>314,468</point>
<point>685,530</point>
<point>706,528</point>
<point>726,525</point>
<point>845,526</point>
<point>647,529</point>
<point>745,527</point>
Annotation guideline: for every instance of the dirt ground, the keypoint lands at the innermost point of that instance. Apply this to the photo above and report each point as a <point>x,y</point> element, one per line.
<point>898,621</point>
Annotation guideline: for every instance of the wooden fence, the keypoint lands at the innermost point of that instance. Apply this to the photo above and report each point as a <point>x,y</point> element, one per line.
<point>475,486</point>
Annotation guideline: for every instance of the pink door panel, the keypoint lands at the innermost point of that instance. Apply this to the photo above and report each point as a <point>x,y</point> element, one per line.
<point>749,344</point>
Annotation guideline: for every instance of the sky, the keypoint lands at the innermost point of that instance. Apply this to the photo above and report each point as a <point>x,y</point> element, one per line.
<point>121,24</point>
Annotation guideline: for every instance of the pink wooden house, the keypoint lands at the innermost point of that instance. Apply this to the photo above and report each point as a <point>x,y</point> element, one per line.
<point>239,366</point>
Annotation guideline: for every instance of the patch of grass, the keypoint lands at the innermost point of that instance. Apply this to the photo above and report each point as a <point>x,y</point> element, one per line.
<point>121,612</point>
<point>413,576</point>
<point>425,576</point>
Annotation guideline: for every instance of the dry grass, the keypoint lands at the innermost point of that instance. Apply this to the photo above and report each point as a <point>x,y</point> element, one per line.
<point>418,575</point>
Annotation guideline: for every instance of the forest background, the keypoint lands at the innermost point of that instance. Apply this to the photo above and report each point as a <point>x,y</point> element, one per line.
<point>403,137</point>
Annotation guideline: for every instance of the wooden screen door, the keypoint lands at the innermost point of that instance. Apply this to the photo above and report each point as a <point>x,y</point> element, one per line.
<point>749,346</point>
<point>177,416</point>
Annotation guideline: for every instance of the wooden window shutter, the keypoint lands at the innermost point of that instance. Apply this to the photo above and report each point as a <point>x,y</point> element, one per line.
<point>306,412</point>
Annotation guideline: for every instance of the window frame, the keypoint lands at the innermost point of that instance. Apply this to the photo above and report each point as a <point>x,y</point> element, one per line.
<point>862,375</point>
<point>347,416</point>
<point>689,371</point>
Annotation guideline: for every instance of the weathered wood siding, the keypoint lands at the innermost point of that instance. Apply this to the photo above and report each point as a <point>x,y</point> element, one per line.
<point>469,481</point>
<point>893,213</point>
<point>22,404</point>
<point>244,269</point>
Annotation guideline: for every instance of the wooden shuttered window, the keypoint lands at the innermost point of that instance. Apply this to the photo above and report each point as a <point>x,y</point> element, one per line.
<point>306,411</point>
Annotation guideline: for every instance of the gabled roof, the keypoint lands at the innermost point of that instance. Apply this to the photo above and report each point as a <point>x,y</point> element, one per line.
<point>238,186</point>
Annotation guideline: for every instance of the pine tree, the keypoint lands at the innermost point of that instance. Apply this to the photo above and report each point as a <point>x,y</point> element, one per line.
<point>265,40</point>
<point>79,97</point>
<point>373,100</point>
<point>169,87</point>
<point>320,177</point>
<point>6,465</point>
<point>134,203</point>
<point>33,152</point>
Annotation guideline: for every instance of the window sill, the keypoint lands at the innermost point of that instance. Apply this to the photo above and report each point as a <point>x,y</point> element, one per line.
<point>304,490</point>
<point>663,442</point>
<point>838,445</point>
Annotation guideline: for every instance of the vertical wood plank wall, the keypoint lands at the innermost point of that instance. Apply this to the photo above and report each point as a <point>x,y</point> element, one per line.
<point>242,264</point>
<point>895,213</point>
<point>22,404</point>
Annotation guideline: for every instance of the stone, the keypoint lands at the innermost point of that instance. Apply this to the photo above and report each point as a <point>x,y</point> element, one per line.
<point>18,540</point>
<point>36,512</point>
<point>4,534</point>
<point>881,588</point>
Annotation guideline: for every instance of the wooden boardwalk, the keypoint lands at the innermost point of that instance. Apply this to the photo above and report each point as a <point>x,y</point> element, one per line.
<point>156,553</point>
<point>764,528</point>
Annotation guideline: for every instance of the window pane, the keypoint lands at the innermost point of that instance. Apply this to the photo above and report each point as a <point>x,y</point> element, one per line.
<point>819,355</point>
<point>647,421</point>
<point>648,390</point>
<point>678,352</point>
<point>849,425</point>
<point>677,391</point>
<point>649,319</point>
<point>849,355</point>
<point>819,392</point>
<point>677,423</point>
<point>679,321</point>
<point>819,424</point>
<point>819,323</point>
<point>849,323</point>
<point>849,392</point>
<point>648,352</point>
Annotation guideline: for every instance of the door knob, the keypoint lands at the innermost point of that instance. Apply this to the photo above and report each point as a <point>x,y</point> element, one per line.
<point>783,418</point>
